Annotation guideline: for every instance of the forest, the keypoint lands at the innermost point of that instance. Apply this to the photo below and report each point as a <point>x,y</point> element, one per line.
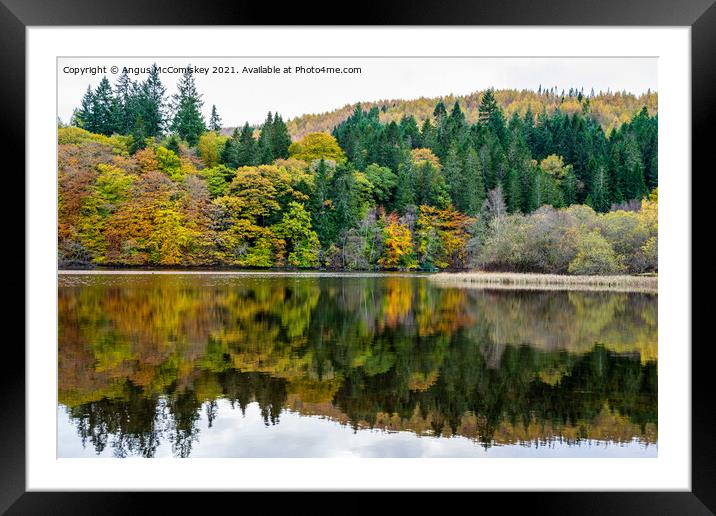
<point>145,180</point>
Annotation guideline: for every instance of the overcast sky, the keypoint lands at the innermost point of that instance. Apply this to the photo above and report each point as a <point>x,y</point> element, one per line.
<point>241,97</point>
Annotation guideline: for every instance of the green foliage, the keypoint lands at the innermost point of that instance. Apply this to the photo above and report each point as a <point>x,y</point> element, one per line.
<point>301,241</point>
<point>595,256</point>
<point>188,122</point>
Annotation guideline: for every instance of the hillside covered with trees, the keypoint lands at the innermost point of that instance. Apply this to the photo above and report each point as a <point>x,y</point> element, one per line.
<point>144,179</point>
<point>609,109</point>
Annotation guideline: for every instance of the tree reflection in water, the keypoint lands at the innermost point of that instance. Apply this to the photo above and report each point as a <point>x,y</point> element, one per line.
<point>141,356</point>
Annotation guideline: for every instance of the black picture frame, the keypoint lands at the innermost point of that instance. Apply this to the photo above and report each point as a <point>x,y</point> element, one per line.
<point>16,15</point>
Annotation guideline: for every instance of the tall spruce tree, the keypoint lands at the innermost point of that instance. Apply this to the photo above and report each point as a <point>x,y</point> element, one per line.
<point>488,106</point>
<point>103,109</point>
<point>124,104</point>
<point>188,122</point>
<point>475,183</point>
<point>280,139</point>
<point>82,117</point>
<point>214,120</point>
<point>265,145</point>
<point>152,103</point>
<point>246,150</point>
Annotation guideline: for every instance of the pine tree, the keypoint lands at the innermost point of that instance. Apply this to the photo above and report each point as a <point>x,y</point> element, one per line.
<point>124,109</point>
<point>321,205</point>
<point>513,189</point>
<point>475,184</point>
<point>215,120</point>
<point>103,109</point>
<point>173,144</point>
<point>488,107</point>
<point>82,117</point>
<point>404,191</point>
<point>152,104</point>
<point>246,150</point>
<point>569,188</point>
<point>139,135</point>
<point>455,178</point>
<point>228,153</point>
<point>599,194</point>
<point>280,139</point>
<point>188,122</point>
<point>265,145</point>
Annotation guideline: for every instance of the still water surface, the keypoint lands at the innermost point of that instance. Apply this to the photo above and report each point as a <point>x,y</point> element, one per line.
<point>271,365</point>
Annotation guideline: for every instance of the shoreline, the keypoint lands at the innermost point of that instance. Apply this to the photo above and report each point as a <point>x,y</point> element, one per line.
<point>533,281</point>
<point>475,280</point>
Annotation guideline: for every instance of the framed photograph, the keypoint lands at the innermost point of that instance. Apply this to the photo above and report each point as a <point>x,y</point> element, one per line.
<point>450,252</point>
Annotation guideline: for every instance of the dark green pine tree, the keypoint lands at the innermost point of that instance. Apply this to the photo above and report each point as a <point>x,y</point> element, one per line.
<point>598,197</point>
<point>454,174</point>
<point>405,187</point>
<point>188,122</point>
<point>152,104</point>
<point>246,150</point>
<point>569,188</point>
<point>228,153</point>
<point>82,117</point>
<point>488,107</point>
<point>103,109</point>
<point>124,115</point>
<point>427,135</point>
<point>139,135</point>
<point>265,146</point>
<point>475,183</point>
<point>513,189</point>
<point>214,120</point>
<point>457,123</point>
<point>528,183</point>
<point>321,207</point>
<point>173,144</point>
<point>634,183</point>
<point>410,132</point>
<point>440,112</point>
<point>280,139</point>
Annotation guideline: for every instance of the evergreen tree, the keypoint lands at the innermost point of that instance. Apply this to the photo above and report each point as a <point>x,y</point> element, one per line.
<point>228,153</point>
<point>124,115</point>
<point>569,188</point>
<point>599,193</point>
<point>103,109</point>
<point>280,139</point>
<point>173,144</point>
<point>488,107</point>
<point>152,104</point>
<point>404,191</point>
<point>188,122</point>
<point>214,120</point>
<point>513,189</point>
<point>246,150</point>
<point>321,206</point>
<point>410,132</point>
<point>475,184</point>
<point>139,135</point>
<point>455,178</point>
<point>82,117</point>
<point>265,145</point>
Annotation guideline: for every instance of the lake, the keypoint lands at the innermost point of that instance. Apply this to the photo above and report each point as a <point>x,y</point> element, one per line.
<point>334,365</point>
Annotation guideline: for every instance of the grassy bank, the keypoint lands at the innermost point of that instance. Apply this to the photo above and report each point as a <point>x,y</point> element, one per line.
<point>512,280</point>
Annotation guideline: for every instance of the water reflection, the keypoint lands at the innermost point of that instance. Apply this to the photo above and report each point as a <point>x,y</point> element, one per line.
<point>144,360</point>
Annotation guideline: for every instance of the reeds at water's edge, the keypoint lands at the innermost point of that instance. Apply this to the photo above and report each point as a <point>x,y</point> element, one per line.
<point>647,284</point>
